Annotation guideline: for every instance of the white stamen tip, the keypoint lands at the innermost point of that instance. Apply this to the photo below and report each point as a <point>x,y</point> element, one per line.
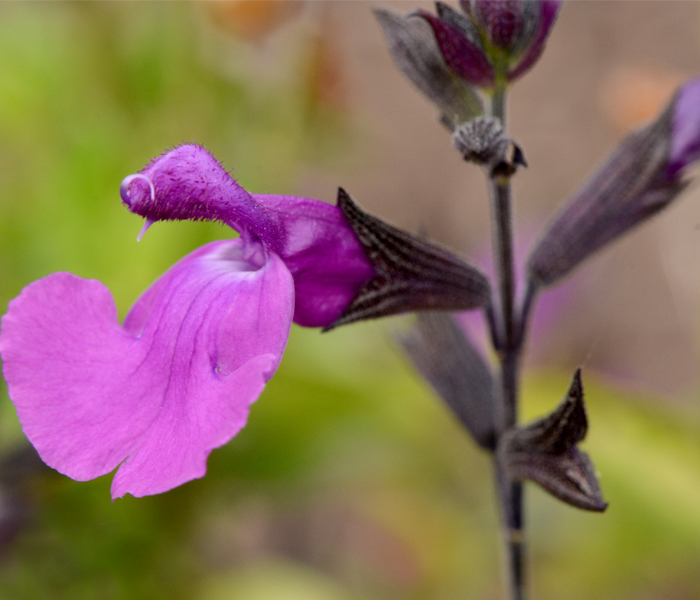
<point>144,229</point>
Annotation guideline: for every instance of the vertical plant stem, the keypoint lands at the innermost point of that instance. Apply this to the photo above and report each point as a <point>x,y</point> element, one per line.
<point>510,493</point>
<point>503,257</point>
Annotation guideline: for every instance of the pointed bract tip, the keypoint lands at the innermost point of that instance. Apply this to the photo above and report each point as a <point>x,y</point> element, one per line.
<point>576,388</point>
<point>518,156</point>
<point>343,197</point>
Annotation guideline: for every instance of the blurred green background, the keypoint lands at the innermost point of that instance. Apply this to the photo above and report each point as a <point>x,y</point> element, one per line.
<point>351,480</point>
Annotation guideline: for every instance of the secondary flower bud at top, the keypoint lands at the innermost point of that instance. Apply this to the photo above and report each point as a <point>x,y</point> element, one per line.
<point>495,39</point>
<point>506,23</point>
<point>415,51</point>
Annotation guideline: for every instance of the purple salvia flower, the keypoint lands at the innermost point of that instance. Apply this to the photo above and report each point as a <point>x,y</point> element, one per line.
<point>155,395</point>
<point>313,238</point>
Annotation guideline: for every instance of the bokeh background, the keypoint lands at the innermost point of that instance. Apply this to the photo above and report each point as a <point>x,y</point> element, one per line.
<point>351,480</point>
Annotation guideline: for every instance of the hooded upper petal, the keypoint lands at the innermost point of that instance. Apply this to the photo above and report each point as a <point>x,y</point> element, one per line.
<point>188,184</point>
<point>157,394</point>
<point>318,246</point>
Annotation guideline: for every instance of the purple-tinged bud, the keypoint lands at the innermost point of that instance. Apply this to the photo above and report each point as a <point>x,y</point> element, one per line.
<point>518,27</point>
<point>460,22</point>
<point>501,21</point>
<point>416,53</point>
<point>685,128</point>
<point>463,56</point>
<point>641,177</point>
<point>496,40</point>
<point>527,50</point>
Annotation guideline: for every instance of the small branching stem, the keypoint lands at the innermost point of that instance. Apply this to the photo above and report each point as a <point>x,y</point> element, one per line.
<point>508,336</point>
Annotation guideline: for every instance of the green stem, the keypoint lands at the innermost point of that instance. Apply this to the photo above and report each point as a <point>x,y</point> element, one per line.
<point>510,492</point>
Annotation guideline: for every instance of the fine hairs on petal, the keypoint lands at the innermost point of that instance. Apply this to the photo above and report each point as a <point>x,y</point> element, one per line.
<point>193,186</point>
<point>124,188</point>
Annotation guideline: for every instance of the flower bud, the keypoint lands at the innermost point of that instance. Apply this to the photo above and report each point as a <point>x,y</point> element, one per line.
<point>646,172</point>
<point>495,40</point>
<point>416,54</point>
<point>504,22</point>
